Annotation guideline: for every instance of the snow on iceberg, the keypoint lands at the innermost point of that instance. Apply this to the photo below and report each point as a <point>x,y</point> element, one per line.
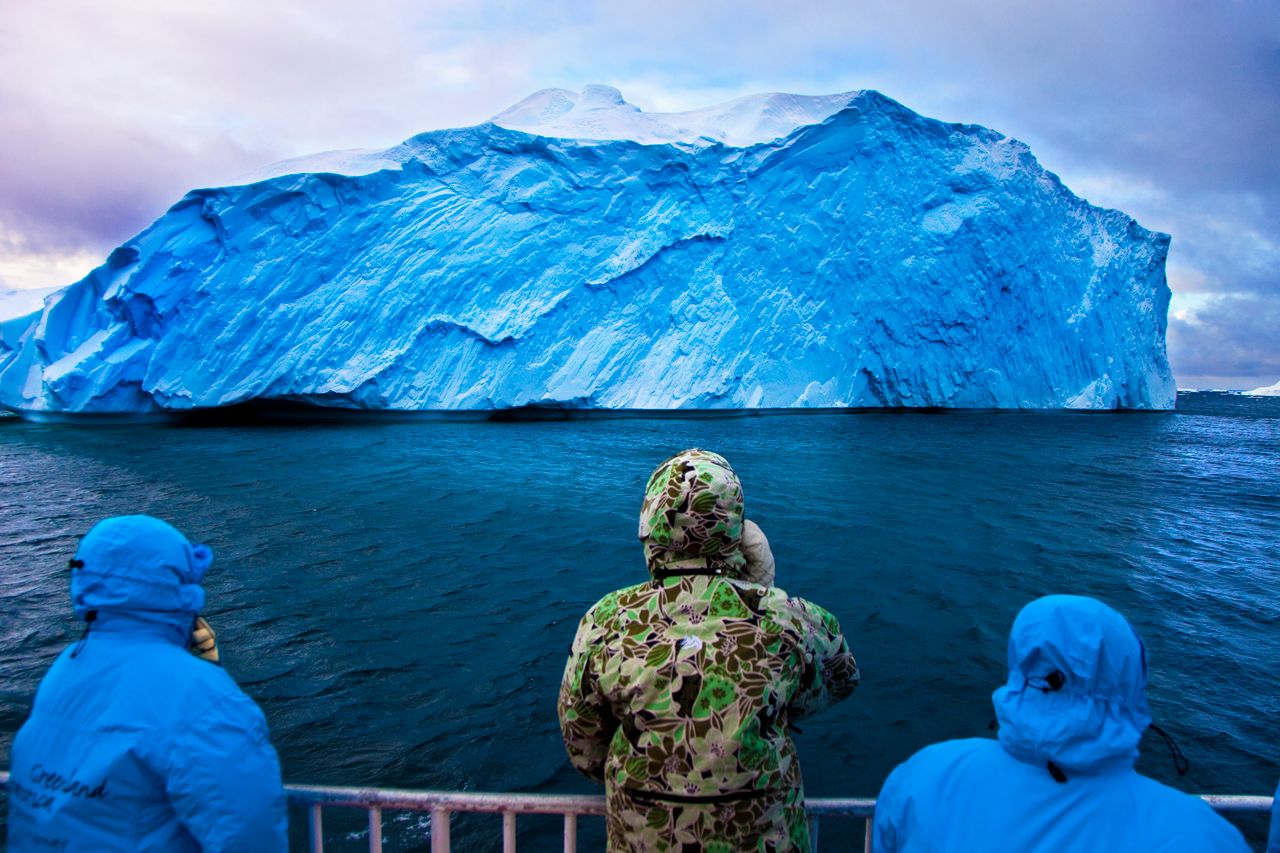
<point>21,301</point>
<point>777,251</point>
<point>1267,391</point>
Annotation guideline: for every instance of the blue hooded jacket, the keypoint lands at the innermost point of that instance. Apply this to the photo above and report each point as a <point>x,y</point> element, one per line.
<point>1061,775</point>
<point>133,743</point>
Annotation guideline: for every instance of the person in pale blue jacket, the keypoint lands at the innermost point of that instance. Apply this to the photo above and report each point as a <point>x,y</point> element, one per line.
<point>1060,777</point>
<point>134,743</point>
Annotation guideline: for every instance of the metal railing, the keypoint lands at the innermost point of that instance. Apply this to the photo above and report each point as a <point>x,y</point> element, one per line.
<point>440,805</point>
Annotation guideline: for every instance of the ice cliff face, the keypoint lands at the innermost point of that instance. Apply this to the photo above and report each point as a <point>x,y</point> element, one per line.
<point>777,251</point>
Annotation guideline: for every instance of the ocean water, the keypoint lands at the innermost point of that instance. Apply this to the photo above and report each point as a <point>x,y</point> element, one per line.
<point>399,597</point>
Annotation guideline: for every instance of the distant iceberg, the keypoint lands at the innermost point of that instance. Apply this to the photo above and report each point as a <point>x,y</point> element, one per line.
<point>778,251</point>
<point>1268,391</point>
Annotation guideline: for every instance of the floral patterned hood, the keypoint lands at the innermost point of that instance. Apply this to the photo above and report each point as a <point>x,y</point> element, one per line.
<point>692,516</point>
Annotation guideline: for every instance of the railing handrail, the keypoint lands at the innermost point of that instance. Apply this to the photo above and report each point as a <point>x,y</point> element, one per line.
<point>1237,802</point>
<point>442,803</point>
<point>417,799</point>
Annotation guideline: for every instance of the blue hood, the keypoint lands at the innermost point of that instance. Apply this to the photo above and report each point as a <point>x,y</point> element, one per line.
<point>138,564</point>
<point>1094,721</point>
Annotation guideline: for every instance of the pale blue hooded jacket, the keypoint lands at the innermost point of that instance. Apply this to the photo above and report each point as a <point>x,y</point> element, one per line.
<point>1061,775</point>
<point>133,744</point>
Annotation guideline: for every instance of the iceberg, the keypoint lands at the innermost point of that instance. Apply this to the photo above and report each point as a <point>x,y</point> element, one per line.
<point>576,252</point>
<point>1266,391</point>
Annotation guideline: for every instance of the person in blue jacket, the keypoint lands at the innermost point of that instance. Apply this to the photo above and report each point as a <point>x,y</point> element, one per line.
<point>1061,775</point>
<point>134,743</point>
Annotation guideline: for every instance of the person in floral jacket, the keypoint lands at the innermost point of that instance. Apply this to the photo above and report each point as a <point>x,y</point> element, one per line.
<point>679,692</point>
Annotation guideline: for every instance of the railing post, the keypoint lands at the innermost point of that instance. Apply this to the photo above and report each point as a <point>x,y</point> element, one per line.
<point>867,823</point>
<point>375,829</point>
<point>439,830</point>
<point>813,832</point>
<point>317,832</point>
<point>508,832</point>
<point>570,832</point>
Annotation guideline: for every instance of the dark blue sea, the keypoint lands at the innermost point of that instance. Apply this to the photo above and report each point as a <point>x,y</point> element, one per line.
<point>399,597</point>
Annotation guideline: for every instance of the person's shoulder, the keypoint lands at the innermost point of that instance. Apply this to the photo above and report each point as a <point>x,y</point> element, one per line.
<point>213,678</point>
<point>208,698</point>
<point>799,610</point>
<point>947,753</point>
<point>146,669</point>
<point>928,770</point>
<point>620,599</point>
<point>193,682</point>
<point>1185,818</point>
<point>157,687</point>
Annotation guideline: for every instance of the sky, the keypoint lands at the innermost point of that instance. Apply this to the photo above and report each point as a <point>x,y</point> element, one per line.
<point>1169,111</point>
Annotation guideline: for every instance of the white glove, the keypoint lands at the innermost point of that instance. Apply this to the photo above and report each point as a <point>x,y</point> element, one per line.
<point>204,643</point>
<point>755,547</point>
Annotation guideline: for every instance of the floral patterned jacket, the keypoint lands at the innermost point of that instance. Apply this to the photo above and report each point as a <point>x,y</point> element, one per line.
<point>678,694</point>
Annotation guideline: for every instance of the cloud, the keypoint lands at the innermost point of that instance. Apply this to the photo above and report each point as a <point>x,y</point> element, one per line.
<point>1230,336</point>
<point>23,266</point>
<point>112,111</point>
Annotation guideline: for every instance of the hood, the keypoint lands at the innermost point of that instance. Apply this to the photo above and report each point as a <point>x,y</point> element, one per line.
<point>136,563</point>
<point>760,566</point>
<point>691,518</point>
<point>1091,717</point>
